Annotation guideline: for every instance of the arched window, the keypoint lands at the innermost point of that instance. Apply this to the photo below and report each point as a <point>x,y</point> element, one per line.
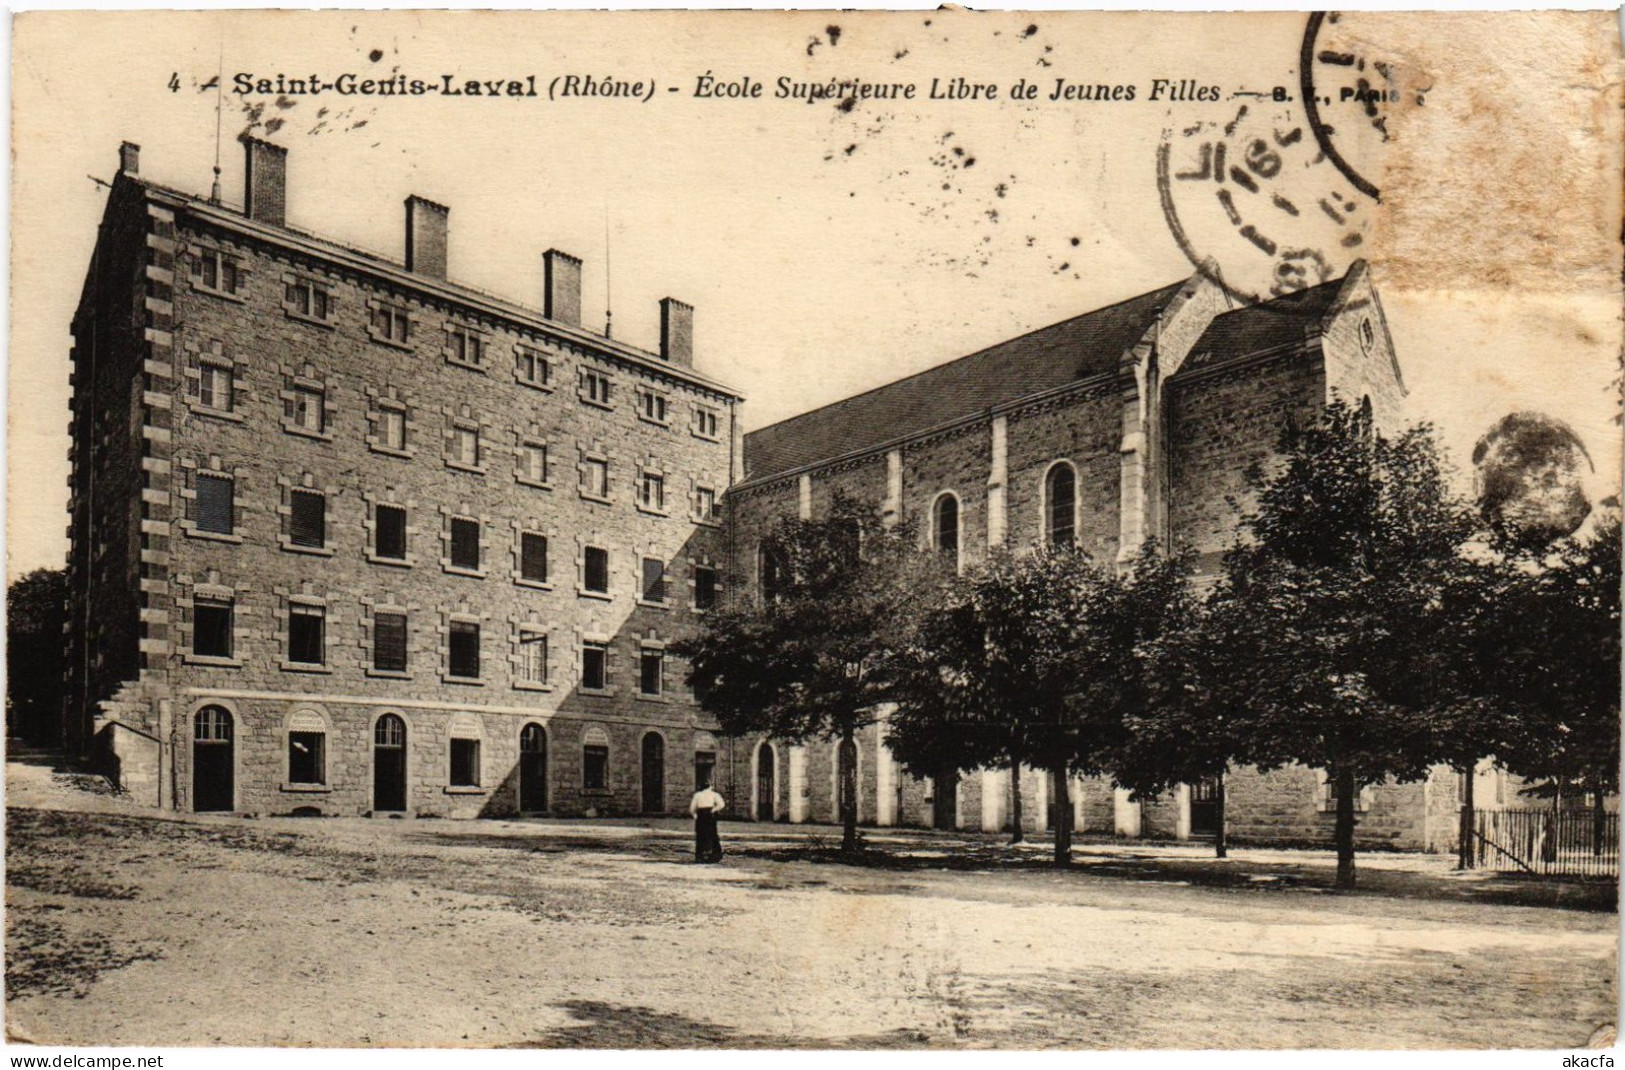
<point>945,522</point>
<point>595,759</point>
<point>1060,504</point>
<point>211,724</point>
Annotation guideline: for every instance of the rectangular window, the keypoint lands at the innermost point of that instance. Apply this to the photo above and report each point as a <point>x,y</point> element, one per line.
<point>654,580</point>
<point>705,423</point>
<point>467,348</point>
<point>533,557</point>
<point>307,522</point>
<point>705,505</point>
<point>595,666</point>
<point>533,462</point>
<point>595,478</point>
<point>533,657</point>
<point>307,757</point>
<point>595,387</point>
<point>651,672</point>
<point>211,627</point>
<point>705,587</point>
<point>465,649</point>
<point>307,299</point>
<point>305,410</point>
<point>654,407</point>
<point>705,764</point>
<point>214,389</point>
<point>595,767</point>
<point>389,642</point>
<point>532,367</point>
<point>305,627</point>
<point>216,271</point>
<point>652,491</point>
<point>466,445</point>
<point>465,763</point>
<point>389,537</point>
<point>391,325</point>
<point>213,508</point>
<point>465,543</point>
<point>595,570</point>
<point>392,428</point>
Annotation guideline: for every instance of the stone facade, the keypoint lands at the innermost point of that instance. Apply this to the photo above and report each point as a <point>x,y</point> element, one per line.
<point>1155,408</point>
<point>283,447</point>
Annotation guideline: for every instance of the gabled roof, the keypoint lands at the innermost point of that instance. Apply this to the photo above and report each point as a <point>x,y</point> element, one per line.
<point>1051,357</point>
<point>1241,332</point>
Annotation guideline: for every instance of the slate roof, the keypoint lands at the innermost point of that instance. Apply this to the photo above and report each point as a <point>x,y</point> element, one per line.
<point>1047,358</point>
<point>1255,328</point>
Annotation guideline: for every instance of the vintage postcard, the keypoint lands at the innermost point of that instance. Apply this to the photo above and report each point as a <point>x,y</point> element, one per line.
<point>821,530</point>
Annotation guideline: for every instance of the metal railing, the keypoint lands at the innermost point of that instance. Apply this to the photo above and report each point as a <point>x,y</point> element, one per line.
<point>1550,842</point>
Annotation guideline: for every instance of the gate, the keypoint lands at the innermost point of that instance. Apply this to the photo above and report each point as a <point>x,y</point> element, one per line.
<point>1549,843</point>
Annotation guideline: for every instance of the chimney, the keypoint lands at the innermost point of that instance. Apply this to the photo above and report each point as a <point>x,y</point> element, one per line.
<point>265,181</point>
<point>677,331</point>
<point>562,282</point>
<point>129,158</point>
<point>427,226</point>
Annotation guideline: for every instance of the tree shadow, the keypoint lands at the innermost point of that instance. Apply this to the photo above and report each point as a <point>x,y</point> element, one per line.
<point>601,1025</point>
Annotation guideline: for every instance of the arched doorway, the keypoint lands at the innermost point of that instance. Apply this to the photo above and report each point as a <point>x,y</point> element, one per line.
<point>389,764</point>
<point>654,774</point>
<point>764,783</point>
<point>846,778</point>
<point>213,787</point>
<point>532,769</point>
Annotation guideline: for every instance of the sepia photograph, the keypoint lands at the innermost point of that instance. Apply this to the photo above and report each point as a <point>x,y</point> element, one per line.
<point>923,530</point>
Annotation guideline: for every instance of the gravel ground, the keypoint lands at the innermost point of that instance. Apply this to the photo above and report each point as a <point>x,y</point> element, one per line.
<point>129,928</point>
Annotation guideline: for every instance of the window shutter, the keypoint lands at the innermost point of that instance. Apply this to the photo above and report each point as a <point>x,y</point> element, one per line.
<point>391,533</point>
<point>389,642</point>
<point>465,544</point>
<point>308,523</point>
<point>214,504</point>
<point>654,580</point>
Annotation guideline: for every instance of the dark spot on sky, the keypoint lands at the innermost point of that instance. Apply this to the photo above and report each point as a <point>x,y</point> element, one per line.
<point>1031,29</point>
<point>850,149</point>
<point>928,22</point>
<point>1001,189</point>
<point>1064,266</point>
<point>958,151</point>
<point>272,126</point>
<point>1075,242</point>
<point>834,34</point>
<point>376,54</point>
<point>901,52</point>
<point>285,102</point>
<point>970,161</point>
<point>210,84</point>
<point>847,104</point>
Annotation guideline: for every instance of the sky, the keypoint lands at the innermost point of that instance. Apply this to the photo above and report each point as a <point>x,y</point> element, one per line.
<point>828,250</point>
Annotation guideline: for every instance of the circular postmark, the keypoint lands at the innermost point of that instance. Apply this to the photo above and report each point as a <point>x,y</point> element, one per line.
<point>1255,205</point>
<point>1320,54</point>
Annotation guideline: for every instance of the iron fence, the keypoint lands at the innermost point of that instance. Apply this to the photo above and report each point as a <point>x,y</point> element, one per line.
<point>1555,842</point>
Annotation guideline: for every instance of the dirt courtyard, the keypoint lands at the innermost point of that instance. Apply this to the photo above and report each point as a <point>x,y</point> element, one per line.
<point>129,927</point>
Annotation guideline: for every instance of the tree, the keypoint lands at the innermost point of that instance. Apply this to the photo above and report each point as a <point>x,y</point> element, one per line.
<point>1323,623</point>
<point>1031,659</point>
<point>809,656</point>
<point>36,605</point>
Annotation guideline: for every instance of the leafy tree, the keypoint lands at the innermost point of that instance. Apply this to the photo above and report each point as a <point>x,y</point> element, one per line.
<point>810,656</point>
<point>1031,659</point>
<point>36,605</point>
<point>1322,623</point>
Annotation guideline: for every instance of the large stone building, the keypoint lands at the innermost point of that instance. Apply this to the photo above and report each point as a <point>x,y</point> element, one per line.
<point>349,536</point>
<point>1135,421</point>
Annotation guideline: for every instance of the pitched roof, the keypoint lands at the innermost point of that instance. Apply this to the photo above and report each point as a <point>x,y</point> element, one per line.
<point>1047,358</point>
<point>1256,328</point>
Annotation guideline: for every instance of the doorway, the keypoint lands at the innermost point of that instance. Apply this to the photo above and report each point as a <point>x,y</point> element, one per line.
<point>1206,812</point>
<point>389,765</point>
<point>945,800</point>
<point>764,783</point>
<point>654,774</point>
<point>213,787</point>
<point>532,769</point>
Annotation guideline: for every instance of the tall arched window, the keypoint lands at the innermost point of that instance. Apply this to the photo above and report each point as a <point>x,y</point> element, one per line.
<point>945,522</point>
<point>1060,504</point>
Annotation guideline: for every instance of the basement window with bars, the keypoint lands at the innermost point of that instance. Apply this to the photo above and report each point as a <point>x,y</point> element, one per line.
<point>213,504</point>
<point>465,544</point>
<point>306,625</point>
<point>533,557</point>
<point>463,657</point>
<point>211,627</point>
<point>389,642</point>
<point>307,518</point>
<point>389,535</point>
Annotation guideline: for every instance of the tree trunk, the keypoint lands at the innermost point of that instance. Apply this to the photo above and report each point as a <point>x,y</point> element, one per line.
<point>1465,835</point>
<point>848,775</point>
<point>1017,833</point>
<point>1345,829</point>
<point>1221,849</point>
<point>1062,794</point>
